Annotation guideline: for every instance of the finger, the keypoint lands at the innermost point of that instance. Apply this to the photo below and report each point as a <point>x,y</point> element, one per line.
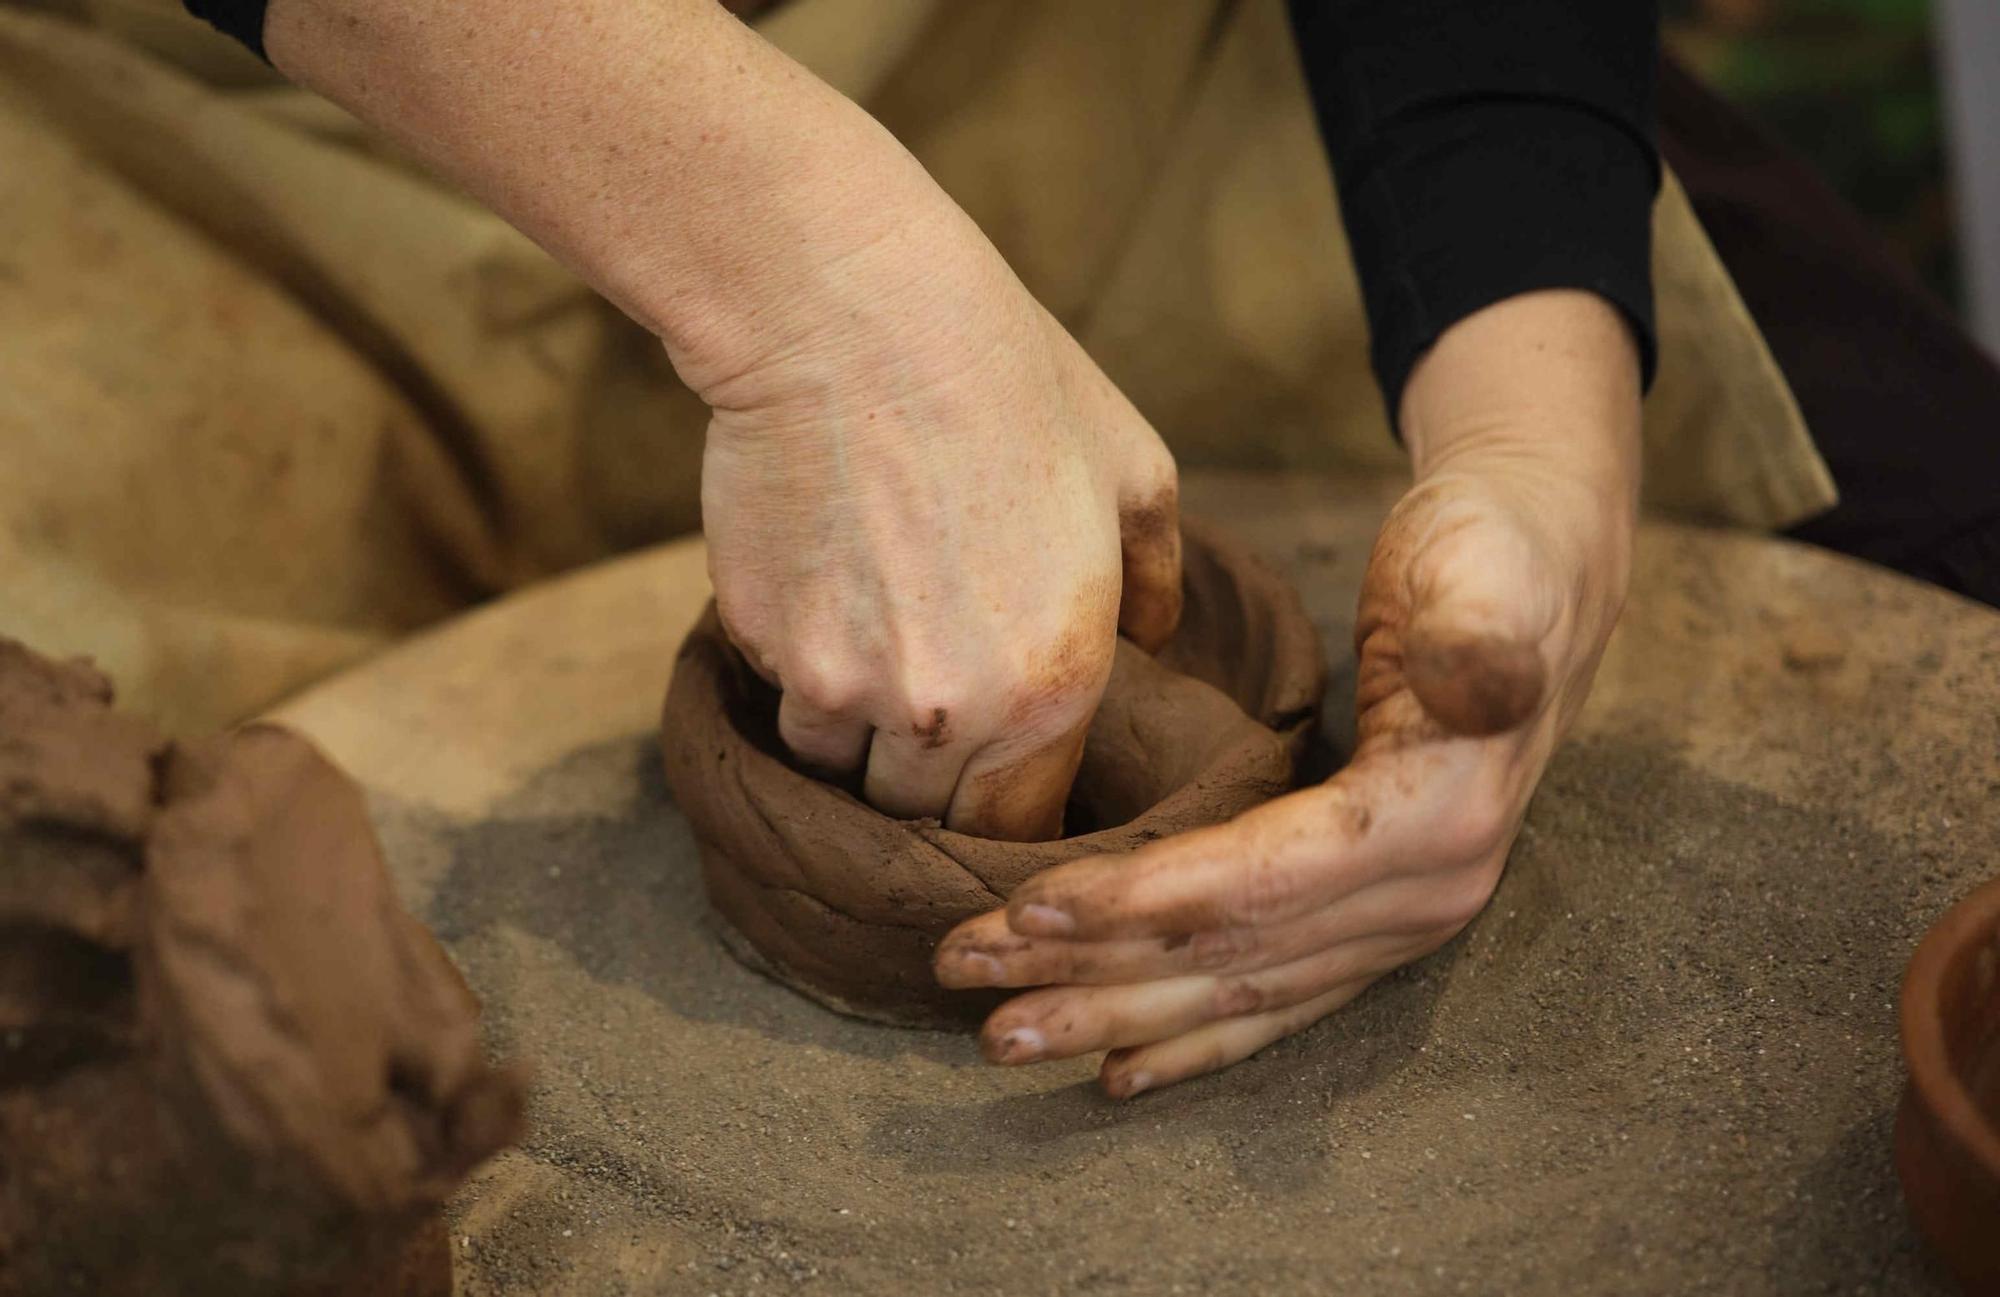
<point>827,741</point>
<point>1216,1045</point>
<point>1064,1021</point>
<point>1241,995</point>
<point>912,771</point>
<point>1295,854</point>
<point>984,951</point>
<point>1016,795</point>
<point>1149,533</point>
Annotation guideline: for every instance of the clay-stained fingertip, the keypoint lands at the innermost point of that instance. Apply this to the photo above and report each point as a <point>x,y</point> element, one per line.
<point>1011,1046</point>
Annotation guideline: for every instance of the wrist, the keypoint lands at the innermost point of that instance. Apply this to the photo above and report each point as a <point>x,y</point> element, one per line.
<point>1538,397</point>
<point>903,301</point>
<point>1546,381</point>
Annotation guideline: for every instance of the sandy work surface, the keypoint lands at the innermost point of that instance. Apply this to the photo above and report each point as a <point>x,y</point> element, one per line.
<point>1663,1061</point>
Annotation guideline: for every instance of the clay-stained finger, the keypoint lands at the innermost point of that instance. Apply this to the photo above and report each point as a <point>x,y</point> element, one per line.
<point>1149,531</point>
<point>1290,856</point>
<point>912,771</point>
<point>1265,990</point>
<point>1017,795</point>
<point>822,740</point>
<point>985,951</point>
<point>1209,1048</point>
<point>1398,812</point>
<point>1064,1021</point>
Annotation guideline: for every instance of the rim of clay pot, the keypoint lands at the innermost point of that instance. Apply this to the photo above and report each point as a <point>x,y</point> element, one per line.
<point>1937,1082</point>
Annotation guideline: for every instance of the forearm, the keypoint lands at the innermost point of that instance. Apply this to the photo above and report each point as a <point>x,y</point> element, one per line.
<point>683,166</point>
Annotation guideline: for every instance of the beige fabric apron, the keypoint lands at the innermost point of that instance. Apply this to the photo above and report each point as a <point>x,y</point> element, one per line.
<point>270,397</point>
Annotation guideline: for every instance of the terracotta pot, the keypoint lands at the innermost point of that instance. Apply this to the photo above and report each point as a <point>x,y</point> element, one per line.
<point>1948,1128</point>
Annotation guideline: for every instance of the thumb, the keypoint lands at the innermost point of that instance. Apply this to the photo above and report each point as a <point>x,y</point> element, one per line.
<point>1473,680</point>
<point>1149,539</point>
<point>1472,636</point>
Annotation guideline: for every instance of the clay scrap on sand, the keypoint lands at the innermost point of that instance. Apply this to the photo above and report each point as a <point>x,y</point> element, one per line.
<point>230,1062</point>
<point>847,904</point>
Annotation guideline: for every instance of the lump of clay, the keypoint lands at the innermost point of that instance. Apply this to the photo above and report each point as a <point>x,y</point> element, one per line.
<point>847,904</point>
<point>230,1062</point>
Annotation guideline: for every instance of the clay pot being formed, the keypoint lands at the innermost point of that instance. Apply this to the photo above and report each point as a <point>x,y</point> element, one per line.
<point>1948,1128</point>
<point>847,904</point>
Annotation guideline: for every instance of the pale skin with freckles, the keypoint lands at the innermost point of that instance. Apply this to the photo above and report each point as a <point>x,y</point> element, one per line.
<point>929,514</point>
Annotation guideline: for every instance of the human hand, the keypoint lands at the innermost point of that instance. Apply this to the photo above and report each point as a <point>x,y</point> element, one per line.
<point>928,513</point>
<point>928,517</point>
<point>1488,599</point>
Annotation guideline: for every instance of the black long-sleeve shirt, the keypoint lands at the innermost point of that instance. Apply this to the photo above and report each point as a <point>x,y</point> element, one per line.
<point>1482,148</point>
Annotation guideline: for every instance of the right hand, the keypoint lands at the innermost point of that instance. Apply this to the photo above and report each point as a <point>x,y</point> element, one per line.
<point>929,515</point>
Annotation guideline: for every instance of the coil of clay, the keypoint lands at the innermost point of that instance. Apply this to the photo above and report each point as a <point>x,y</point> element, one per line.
<point>846,904</point>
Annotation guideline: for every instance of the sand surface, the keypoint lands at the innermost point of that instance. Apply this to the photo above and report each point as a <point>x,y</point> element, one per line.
<point>1662,1062</point>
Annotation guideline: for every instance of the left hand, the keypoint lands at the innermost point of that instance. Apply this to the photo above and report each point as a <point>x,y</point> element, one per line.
<point>1488,599</point>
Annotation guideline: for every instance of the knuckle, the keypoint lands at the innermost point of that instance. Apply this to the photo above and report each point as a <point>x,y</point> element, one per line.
<point>824,685</point>
<point>1236,997</point>
<point>1065,965</point>
<point>1459,898</point>
<point>1064,665</point>
<point>932,706</point>
<point>1481,826</point>
<point>1266,892</point>
<point>933,723</point>
<point>748,634</point>
<point>1212,1058</point>
<point>1222,946</point>
<point>1074,1026</point>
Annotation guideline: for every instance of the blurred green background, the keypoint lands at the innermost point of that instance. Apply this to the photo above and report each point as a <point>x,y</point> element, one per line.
<point>1852,86</point>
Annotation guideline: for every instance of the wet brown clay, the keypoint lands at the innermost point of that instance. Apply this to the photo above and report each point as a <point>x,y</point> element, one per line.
<point>1948,1127</point>
<point>847,904</point>
<point>232,1062</point>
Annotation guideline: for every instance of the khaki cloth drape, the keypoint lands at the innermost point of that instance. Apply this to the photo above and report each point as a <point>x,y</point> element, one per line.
<point>271,398</point>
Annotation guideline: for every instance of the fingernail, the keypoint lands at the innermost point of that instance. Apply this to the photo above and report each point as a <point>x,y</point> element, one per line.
<point>1021,1045</point>
<point>1043,921</point>
<point>1135,1083</point>
<point>971,968</point>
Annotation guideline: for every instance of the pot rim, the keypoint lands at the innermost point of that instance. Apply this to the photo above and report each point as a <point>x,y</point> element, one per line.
<point>1939,1086</point>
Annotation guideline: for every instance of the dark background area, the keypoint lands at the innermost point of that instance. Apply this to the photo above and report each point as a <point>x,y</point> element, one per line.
<point>1850,85</point>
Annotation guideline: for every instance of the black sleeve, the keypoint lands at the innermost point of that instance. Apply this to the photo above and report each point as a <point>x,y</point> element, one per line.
<point>1484,148</point>
<point>243,19</point>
